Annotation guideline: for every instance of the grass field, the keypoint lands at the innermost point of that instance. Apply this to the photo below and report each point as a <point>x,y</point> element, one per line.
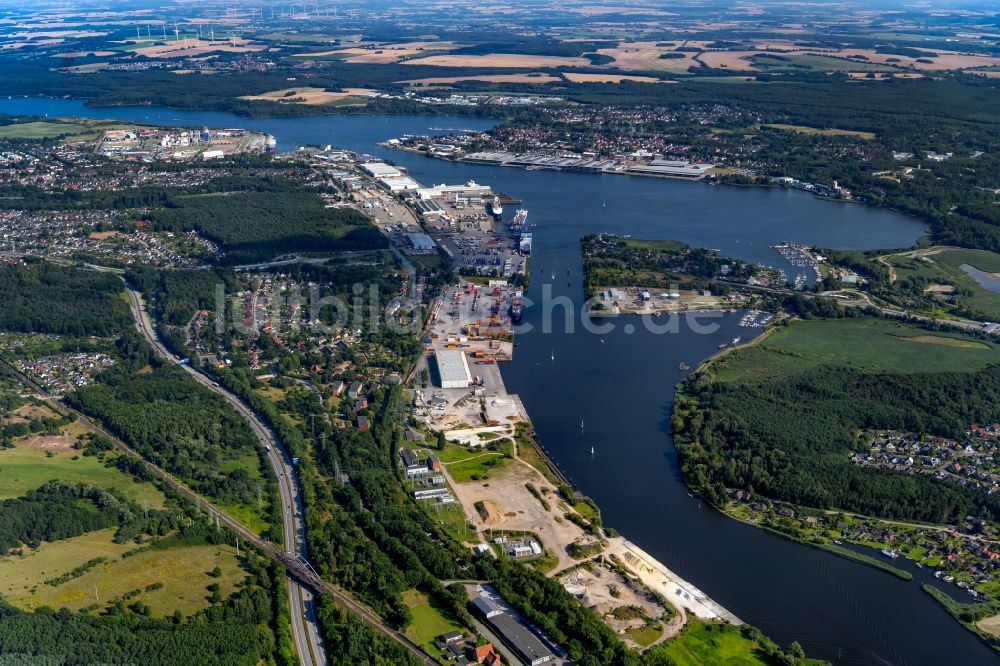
<point>984,260</point>
<point>822,63</point>
<point>645,634</point>
<point>945,265</point>
<point>40,130</point>
<point>802,129</point>
<point>183,571</point>
<point>428,621</point>
<point>702,644</point>
<point>251,515</point>
<point>870,345</point>
<point>646,244</point>
<point>465,465</point>
<point>23,469</point>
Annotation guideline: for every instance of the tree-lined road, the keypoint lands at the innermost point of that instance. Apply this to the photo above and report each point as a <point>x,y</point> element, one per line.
<point>303,579</point>
<point>304,630</point>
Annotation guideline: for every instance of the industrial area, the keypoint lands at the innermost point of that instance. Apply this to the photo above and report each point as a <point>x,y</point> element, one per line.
<point>471,460</point>
<point>149,144</point>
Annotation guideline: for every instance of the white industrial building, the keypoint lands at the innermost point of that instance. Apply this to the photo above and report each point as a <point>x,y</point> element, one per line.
<point>469,189</point>
<point>399,183</point>
<point>380,170</point>
<point>453,367</point>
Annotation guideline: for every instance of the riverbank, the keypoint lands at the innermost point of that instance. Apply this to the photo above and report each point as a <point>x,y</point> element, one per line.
<point>652,573</point>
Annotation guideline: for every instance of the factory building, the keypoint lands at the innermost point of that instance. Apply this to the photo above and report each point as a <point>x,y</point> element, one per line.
<point>453,368</point>
<point>471,189</point>
<point>380,170</point>
<point>421,241</point>
<point>399,183</point>
<point>515,632</point>
<point>672,169</point>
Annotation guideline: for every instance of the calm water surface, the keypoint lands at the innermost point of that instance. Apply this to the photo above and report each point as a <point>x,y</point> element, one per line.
<point>622,383</point>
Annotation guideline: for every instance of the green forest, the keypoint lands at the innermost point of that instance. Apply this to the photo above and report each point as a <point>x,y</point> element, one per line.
<point>253,226</point>
<point>784,426</point>
<point>47,298</point>
<point>181,426</point>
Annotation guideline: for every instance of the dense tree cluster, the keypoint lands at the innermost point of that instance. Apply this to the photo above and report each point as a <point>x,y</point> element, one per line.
<point>179,425</point>
<point>609,261</point>
<point>58,510</point>
<point>790,438</point>
<point>45,298</point>
<point>252,226</point>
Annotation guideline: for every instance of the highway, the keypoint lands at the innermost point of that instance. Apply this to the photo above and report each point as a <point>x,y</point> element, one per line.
<point>304,582</point>
<point>304,629</point>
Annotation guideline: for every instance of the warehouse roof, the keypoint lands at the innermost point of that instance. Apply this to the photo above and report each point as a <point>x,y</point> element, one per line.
<point>453,366</point>
<point>380,169</point>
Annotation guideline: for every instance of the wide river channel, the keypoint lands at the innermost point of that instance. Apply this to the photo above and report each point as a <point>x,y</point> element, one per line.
<point>621,382</point>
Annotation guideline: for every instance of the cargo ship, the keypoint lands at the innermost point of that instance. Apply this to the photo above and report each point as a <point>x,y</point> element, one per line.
<point>516,308</point>
<point>496,210</point>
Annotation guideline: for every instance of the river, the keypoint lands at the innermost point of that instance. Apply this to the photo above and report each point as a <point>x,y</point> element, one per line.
<point>622,382</point>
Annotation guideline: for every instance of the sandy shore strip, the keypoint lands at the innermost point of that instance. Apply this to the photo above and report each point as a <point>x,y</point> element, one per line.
<point>658,577</point>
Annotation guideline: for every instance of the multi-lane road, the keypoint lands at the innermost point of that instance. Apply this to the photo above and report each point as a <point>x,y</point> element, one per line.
<point>304,629</point>
<point>303,581</point>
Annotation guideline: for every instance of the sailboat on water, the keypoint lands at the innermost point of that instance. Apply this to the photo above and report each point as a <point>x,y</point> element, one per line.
<point>581,424</point>
<point>591,450</point>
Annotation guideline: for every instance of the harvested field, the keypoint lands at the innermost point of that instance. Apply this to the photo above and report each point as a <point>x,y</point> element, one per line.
<point>950,60</point>
<point>195,46</point>
<point>380,54</point>
<point>60,443</point>
<point>728,59</point>
<point>36,42</point>
<point>84,54</point>
<point>530,77</point>
<point>501,60</point>
<point>306,95</point>
<point>645,56</point>
<point>991,625</point>
<point>610,78</point>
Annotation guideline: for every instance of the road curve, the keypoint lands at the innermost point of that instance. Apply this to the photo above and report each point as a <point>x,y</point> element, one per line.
<point>303,579</point>
<point>305,632</point>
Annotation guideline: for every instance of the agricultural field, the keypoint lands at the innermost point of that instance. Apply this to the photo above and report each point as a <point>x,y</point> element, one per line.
<point>576,77</point>
<point>868,345</point>
<point>171,578</point>
<point>379,53</point>
<point>500,61</point>
<point>769,62</point>
<point>189,46</point>
<point>26,467</point>
<point>306,95</point>
<point>646,56</point>
<point>528,77</point>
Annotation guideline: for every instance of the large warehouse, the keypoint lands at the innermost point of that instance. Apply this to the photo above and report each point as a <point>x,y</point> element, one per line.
<point>453,368</point>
